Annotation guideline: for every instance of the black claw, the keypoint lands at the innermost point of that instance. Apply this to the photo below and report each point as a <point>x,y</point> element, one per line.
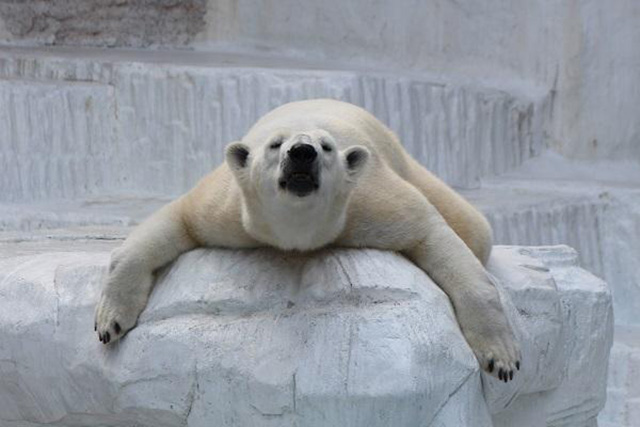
<point>500,374</point>
<point>510,375</point>
<point>505,378</point>
<point>116,327</point>
<point>491,362</point>
<point>518,365</point>
<point>100,336</point>
<point>107,337</point>
<point>95,326</point>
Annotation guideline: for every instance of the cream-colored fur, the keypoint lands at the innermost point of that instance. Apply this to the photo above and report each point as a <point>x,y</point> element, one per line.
<point>371,194</point>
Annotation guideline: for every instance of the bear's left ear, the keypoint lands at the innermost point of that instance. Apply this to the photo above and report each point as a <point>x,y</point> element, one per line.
<point>356,158</point>
<point>237,155</point>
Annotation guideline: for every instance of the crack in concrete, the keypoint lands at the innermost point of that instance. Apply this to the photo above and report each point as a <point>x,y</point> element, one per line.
<point>455,390</point>
<point>349,349</point>
<point>344,270</point>
<point>267,415</point>
<point>57,292</point>
<point>191,396</point>
<point>294,392</point>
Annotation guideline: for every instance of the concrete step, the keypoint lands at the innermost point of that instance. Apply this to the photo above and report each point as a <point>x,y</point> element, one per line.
<point>79,239</point>
<point>623,390</point>
<point>78,123</point>
<point>592,207</point>
<point>61,214</point>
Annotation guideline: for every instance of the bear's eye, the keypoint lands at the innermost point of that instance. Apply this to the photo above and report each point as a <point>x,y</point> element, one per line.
<point>276,144</point>
<point>327,148</point>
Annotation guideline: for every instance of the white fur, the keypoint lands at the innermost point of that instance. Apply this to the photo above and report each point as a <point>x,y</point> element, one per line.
<point>382,198</point>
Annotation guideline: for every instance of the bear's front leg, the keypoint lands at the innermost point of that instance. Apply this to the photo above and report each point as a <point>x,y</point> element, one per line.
<point>395,216</point>
<point>156,242</point>
<point>476,303</point>
<point>452,265</point>
<point>123,298</point>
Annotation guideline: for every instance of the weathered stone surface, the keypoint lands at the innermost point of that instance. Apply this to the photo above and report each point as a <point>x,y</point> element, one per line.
<point>263,338</point>
<point>104,23</point>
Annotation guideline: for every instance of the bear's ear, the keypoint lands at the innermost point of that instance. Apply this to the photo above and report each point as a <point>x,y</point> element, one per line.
<point>237,155</point>
<point>356,158</point>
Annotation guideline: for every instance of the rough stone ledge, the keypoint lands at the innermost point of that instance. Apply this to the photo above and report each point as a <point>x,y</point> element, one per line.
<point>262,338</point>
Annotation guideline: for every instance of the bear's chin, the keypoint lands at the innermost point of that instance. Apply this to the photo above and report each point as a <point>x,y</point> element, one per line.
<point>299,185</point>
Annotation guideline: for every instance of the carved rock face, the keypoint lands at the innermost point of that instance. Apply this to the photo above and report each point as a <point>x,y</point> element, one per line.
<point>338,337</point>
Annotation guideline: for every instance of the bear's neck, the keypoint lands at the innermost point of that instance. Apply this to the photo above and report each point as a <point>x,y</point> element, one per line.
<point>302,227</point>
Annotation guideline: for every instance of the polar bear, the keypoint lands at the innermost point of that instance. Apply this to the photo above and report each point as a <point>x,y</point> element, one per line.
<point>315,173</point>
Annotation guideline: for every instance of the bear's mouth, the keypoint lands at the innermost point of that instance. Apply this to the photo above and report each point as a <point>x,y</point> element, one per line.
<point>300,183</point>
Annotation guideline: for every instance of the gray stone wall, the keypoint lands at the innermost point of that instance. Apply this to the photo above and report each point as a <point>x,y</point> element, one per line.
<point>122,23</point>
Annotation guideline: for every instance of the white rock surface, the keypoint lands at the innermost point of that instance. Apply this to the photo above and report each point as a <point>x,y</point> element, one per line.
<point>262,338</point>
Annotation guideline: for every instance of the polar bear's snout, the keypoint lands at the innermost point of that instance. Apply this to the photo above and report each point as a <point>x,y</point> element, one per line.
<point>300,170</point>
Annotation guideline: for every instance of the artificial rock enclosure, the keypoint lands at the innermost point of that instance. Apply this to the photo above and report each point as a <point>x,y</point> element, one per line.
<point>525,108</point>
<point>261,338</point>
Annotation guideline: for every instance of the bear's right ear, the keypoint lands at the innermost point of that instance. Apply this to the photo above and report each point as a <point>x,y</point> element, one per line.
<point>237,155</point>
<point>356,158</point>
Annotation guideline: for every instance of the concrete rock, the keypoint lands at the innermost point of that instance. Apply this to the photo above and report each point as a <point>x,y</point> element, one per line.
<point>264,338</point>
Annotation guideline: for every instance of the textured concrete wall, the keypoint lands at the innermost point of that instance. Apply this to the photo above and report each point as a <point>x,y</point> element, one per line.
<point>597,112</point>
<point>179,118</point>
<point>489,38</point>
<point>583,51</point>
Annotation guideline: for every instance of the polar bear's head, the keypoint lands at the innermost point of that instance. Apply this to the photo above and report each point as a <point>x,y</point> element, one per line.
<point>294,167</point>
<point>296,176</point>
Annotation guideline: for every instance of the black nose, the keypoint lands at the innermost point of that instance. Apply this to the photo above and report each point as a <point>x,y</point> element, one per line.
<point>303,153</point>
